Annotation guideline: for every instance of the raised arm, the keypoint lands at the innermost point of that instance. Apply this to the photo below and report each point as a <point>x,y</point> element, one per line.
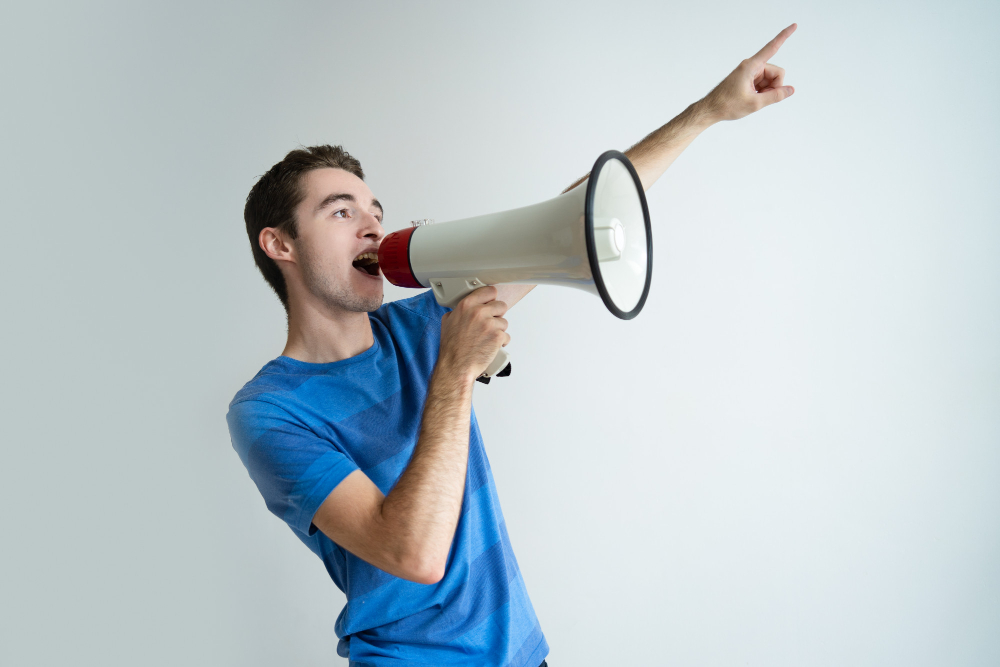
<point>753,85</point>
<point>408,533</point>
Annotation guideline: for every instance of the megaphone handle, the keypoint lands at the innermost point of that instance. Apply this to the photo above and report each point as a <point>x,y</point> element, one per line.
<point>500,362</point>
<point>448,292</point>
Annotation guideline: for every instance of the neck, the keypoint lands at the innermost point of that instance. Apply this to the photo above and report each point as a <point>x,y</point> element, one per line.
<point>320,334</point>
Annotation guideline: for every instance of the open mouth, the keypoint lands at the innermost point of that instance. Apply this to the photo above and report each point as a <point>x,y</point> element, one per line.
<point>367,262</point>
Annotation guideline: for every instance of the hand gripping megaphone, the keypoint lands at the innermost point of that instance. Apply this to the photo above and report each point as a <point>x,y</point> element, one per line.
<point>596,237</point>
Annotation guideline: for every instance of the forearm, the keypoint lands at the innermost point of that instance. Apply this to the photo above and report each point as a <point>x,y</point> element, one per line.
<point>658,150</point>
<point>650,157</point>
<point>421,512</point>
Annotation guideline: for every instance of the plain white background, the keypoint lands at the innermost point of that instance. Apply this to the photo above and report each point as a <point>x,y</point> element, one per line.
<point>789,458</point>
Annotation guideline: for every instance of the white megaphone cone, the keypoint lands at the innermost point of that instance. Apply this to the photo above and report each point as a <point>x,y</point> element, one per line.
<point>596,237</point>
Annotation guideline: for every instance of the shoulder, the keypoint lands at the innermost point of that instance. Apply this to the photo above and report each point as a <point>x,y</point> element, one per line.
<point>270,419</point>
<point>274,379</point>
<point>258,404</point>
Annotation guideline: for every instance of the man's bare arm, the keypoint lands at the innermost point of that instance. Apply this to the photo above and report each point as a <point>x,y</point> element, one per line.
<point>409,532</point>
<point>511,294</point>
<point>753,85</point>
<point>658,150</point>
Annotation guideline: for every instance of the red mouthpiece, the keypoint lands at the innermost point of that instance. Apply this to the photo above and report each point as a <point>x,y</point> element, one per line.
<point>394,259</point>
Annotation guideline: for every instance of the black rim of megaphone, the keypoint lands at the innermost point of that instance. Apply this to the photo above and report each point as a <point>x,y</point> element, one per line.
<point>595,267</point>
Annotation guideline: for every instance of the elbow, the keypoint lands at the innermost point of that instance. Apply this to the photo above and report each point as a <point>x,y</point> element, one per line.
<point>422,569</point>
<point>425,573</point>
<point>429,577</point>
<point>408,553</point>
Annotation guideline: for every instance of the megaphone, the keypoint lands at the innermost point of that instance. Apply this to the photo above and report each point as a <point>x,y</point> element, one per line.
<point>596,237</point>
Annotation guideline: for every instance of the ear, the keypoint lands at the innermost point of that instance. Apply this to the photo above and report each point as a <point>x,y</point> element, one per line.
<point>276,245</point>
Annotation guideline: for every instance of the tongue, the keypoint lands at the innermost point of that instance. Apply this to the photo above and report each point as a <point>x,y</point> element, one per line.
<point>371,269</point>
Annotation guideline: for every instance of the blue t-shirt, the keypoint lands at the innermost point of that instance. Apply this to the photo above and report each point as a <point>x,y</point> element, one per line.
<point>301,428</point>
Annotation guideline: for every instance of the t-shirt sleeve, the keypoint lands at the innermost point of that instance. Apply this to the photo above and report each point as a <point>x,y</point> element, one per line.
<point>293,468</point>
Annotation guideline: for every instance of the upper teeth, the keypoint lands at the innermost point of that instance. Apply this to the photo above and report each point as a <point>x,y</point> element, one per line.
<point>367,255</point>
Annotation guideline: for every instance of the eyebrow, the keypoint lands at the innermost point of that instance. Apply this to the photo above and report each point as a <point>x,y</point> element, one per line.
<point>343,196</point>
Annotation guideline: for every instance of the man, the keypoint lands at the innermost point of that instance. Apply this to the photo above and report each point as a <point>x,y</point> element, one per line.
<point>361,435</point>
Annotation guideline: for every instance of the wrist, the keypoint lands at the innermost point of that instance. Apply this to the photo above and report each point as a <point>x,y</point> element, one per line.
<point>703,114</point>
<point>453,376</point>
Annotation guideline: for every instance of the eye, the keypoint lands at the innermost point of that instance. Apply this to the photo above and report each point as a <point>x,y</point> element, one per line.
<point>341,213</point>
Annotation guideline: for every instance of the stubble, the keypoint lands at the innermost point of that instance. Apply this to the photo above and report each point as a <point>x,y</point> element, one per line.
<point>318,280</point>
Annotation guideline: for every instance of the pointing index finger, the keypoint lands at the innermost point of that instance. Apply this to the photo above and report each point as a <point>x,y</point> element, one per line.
<point>772,47</point>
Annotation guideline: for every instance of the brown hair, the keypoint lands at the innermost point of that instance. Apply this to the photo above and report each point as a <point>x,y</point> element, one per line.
<point>273,199</point>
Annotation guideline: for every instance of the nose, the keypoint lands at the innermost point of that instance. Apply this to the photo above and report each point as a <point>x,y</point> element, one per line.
<point>372,228</point>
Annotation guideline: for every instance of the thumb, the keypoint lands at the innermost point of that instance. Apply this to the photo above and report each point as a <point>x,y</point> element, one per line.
<point>775,95</point>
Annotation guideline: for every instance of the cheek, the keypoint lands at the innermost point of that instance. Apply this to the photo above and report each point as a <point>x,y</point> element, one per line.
<point>323,252</point>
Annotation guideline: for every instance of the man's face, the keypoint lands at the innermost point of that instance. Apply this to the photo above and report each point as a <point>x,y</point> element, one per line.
<point>338,220</point>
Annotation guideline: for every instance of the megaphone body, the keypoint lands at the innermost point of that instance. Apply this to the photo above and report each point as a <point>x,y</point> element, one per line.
<point>596,237</point>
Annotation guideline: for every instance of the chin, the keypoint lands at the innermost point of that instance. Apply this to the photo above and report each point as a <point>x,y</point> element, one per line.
<point>355,301</point>
<point>372,302</point>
